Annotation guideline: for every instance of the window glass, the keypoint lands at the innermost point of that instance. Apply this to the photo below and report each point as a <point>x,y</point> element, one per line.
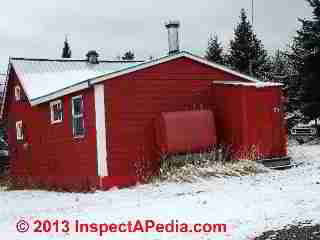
<point>77,106</point>
<point>19,130</point>
<point>78,125</point>
<point>56,111</point>
<point>77,116</point>
<point>17,93</point>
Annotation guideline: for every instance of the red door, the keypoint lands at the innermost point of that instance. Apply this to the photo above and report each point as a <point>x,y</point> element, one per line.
<point>268,122</point>
<point>277,122</point>
<point>264,123</point>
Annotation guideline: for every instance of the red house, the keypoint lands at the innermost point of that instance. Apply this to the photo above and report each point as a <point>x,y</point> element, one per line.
<point>89,123</point>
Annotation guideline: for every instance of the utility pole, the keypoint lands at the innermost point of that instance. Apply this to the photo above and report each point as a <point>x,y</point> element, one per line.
<point>251,61</point>
<point>252,12</point>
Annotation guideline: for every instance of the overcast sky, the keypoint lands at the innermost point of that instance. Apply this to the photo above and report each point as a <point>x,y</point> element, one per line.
<point>37,28</point>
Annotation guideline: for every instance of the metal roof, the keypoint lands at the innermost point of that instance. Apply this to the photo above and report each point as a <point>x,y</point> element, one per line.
<point>41,77</point>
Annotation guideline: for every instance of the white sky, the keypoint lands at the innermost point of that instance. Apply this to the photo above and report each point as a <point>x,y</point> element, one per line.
<point>37,28</point>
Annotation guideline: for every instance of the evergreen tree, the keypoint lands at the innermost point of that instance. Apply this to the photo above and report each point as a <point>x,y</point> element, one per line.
<point>306,55</point>
<point>66,51</point>
<point>279,66</point>
<point>295,57</point>
<point>307,42</point>
<point>283,72</point>
<point>214,50</point>
<point>128,56</point>
<point>247,53</point>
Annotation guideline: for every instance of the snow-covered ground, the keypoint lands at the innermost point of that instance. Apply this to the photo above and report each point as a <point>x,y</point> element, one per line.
<point>248,205</point>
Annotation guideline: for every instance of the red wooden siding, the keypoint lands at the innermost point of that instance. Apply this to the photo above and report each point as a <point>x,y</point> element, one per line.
<point>52,154</point>
<point>135,100</point>
<point>245,117</point>
<point>269,131</point>
<point>228,114</point>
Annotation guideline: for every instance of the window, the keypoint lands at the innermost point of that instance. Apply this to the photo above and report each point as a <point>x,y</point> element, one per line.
<point>77,116</point>
<point>19,130</point>
<point>56,111</point>
<point>17,93</point>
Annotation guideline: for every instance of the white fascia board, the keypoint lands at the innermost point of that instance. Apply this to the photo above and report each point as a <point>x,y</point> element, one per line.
<point>253,84</point>
<point>60,93</point>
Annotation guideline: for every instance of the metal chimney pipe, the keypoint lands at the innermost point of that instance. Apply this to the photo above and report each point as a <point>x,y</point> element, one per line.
<point>173,36</point>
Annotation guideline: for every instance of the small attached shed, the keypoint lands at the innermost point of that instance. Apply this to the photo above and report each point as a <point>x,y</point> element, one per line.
<point>249,116</point>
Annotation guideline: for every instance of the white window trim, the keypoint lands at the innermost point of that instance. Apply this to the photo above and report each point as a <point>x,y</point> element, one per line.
<point>77,116</point>
<point>19,125</point>
<point>17,93</point>
<point>52,113</point>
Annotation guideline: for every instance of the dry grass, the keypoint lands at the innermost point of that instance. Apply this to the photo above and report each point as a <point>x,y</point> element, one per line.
<point>5,183</point>
<point>216,163</point>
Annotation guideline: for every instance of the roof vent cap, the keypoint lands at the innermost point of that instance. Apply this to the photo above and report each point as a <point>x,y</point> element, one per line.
<point>92,57</point>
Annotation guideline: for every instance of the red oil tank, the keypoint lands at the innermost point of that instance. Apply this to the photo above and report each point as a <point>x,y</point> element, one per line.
<point>185,131</point>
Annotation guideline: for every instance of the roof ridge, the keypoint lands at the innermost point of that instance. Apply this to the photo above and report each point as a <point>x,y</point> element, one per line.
<point>72,60</point>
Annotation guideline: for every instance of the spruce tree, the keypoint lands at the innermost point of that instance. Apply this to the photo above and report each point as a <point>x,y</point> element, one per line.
<point>306,52</point>
<point>214,50</point>
<point>247,53</point>
<point>308,42</point>
<point>279,67</point>
<point>283,72</point>
<point>66,51</point>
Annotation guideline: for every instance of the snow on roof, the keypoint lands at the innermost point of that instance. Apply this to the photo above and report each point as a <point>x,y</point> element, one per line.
<point>249,84</point>
<point>41,77</point>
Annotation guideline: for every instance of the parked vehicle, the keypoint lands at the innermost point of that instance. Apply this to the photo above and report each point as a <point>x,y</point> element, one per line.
<point>304,132</point>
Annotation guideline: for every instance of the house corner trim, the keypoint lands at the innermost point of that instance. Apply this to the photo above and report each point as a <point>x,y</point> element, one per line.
<point>100,130</point>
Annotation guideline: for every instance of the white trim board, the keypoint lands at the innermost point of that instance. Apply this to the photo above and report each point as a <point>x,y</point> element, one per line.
<point>100,130</point>
<point>249,84</point>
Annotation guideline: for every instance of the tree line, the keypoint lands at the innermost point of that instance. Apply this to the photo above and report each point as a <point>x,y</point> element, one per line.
<point>296,66</point>
<point>66,52</point>
<point>246,53</point>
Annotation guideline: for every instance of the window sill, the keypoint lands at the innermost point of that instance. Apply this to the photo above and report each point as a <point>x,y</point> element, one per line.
<point>78,137</point>
<point>55,122</point>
